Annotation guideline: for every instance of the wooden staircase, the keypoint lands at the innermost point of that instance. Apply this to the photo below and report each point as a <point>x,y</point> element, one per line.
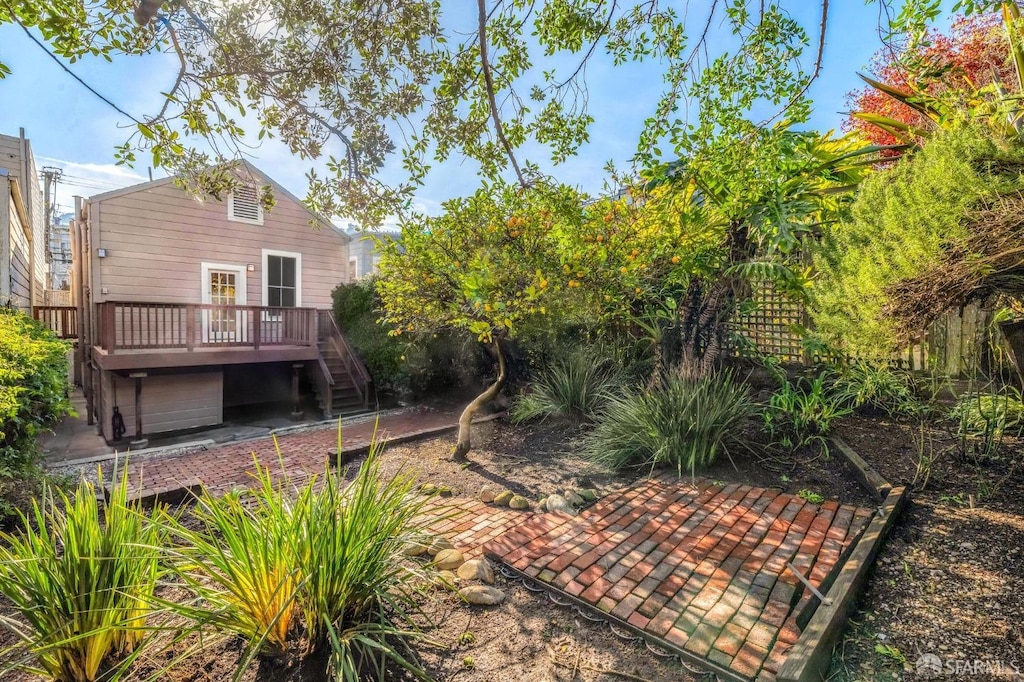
<point>342,380</point>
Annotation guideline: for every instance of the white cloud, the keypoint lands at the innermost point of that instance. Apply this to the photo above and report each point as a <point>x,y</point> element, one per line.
<point>88,179</point>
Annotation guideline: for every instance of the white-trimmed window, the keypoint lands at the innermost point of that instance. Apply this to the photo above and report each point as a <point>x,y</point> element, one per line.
<point>282,279</point>
<point>244,205</point>
<point>353,268</point>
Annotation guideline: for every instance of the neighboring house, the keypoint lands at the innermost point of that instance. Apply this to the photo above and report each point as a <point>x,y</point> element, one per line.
<point>193,308</point>
<point>363,253</point>
<point>59,255</point>
<point>22,228</point>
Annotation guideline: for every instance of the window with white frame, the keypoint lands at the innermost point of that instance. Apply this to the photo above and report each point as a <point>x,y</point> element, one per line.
<point>282,279</point>
<point>244,205</point>
<point>353,268</point>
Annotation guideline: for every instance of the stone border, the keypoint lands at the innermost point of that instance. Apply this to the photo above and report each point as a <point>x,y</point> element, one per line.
<point>720,672</point>
<point>871,479</point>
<point>810,657</point>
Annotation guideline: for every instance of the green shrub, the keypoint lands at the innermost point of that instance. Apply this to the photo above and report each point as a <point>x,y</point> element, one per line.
<point>356,310</point>
<point>573,388</point>
<point>801,413</point>
<point>919,242</point>
<point>318,564</point>
<point>81,577</point>
<point>33,395</point>
<point>684,423</point>
<point>876,386</point>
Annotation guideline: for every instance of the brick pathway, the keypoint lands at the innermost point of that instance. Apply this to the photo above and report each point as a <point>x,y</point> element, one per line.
<point>699,568</point>
<point>303,454</point>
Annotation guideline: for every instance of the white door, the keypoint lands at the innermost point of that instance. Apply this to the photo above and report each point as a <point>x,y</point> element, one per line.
<point>223,285</point>
<point>223,323</point>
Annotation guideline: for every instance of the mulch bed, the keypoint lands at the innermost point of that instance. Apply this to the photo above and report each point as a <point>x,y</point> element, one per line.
<point>949,580</point>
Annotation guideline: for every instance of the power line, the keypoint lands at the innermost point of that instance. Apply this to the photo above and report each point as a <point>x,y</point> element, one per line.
<point>71,73</point>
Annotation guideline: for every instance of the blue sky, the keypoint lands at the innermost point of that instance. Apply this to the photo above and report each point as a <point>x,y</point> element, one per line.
<point>72,129</point>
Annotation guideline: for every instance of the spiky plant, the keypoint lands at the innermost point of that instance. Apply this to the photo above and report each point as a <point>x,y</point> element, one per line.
<point>317,564</point>
<point>684,423</point>
<point>573,388</point>
<point>81,577</point>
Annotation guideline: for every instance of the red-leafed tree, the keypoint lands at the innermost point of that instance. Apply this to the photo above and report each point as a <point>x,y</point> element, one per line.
<point>973,54</point>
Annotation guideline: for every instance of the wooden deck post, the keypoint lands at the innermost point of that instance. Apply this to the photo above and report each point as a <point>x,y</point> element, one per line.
<point>297,412</point>
<point>140,440</point>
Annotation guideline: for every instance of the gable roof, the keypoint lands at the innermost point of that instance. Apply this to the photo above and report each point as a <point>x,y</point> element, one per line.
<point>278,188</point>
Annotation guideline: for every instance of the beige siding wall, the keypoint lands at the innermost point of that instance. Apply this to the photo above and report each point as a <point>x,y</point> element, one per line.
<point>157,238</point>
<point>37,214</point>
<point>169,402</point>
<point>10,159</point>
<point>20,286</point>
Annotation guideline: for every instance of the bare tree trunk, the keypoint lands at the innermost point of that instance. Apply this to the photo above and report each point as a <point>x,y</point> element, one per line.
<point>464,444</point>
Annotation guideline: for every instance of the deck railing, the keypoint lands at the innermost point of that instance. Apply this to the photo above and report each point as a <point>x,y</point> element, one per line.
<point>60,319</point>
<point>191,326</point>
<point>330,333</point>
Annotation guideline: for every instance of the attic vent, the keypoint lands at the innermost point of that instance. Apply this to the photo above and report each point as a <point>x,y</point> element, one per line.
<point>244,205</point>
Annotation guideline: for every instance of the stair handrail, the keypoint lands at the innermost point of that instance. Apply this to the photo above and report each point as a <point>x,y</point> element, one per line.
<point>355,367</point>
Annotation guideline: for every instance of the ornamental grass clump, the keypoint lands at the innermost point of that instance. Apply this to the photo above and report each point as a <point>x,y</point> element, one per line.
<point>316,567</point>
<point>684,423</point>
<point>574,388</point>
<point>81,577</point>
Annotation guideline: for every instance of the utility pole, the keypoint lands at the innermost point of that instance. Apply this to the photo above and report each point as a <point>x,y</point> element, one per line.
<point>51,176</point>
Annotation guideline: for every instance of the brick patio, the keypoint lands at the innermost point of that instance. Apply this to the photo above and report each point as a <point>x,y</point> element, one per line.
<point>700,569</point>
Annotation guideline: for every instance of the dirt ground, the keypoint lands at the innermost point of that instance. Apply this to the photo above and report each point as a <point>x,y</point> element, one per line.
<point>948,582</point>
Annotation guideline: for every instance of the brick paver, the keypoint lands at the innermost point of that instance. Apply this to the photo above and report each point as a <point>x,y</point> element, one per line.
<point>703,567</point>
<point>302,454</point>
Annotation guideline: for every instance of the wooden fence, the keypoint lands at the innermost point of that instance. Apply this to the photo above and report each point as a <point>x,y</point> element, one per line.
<point>957,344</point>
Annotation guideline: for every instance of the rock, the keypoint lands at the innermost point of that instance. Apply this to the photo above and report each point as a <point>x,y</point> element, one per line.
<point>428,488</point>
<point>482,595</point>
<point>445,579</point>
<point>573,498</point>
<point>543,504</point>
<point>414,549</point>
<point>448,560</point>
<point>439,544</point>
<point>487,494</point>
<point>476,569</point>
<point>558,503</point>
<point>519,502</point>
<point>588,494</point>
<point>504,497</point>
<point>444,491</point>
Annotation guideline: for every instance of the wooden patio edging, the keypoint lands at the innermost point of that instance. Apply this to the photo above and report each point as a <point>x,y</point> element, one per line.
<point>810,657</point>
<point>869,477</point>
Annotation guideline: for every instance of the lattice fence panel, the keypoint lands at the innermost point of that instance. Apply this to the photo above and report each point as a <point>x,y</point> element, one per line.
<point>771,325</point>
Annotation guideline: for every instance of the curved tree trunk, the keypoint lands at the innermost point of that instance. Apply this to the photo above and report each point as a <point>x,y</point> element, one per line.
<point>464,444</point>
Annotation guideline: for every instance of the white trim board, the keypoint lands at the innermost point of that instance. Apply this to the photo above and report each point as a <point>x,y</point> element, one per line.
<point>264,280</point>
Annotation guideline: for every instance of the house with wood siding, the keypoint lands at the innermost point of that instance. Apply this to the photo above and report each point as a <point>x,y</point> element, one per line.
<point>22,226</point>
<point>190,308</point>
